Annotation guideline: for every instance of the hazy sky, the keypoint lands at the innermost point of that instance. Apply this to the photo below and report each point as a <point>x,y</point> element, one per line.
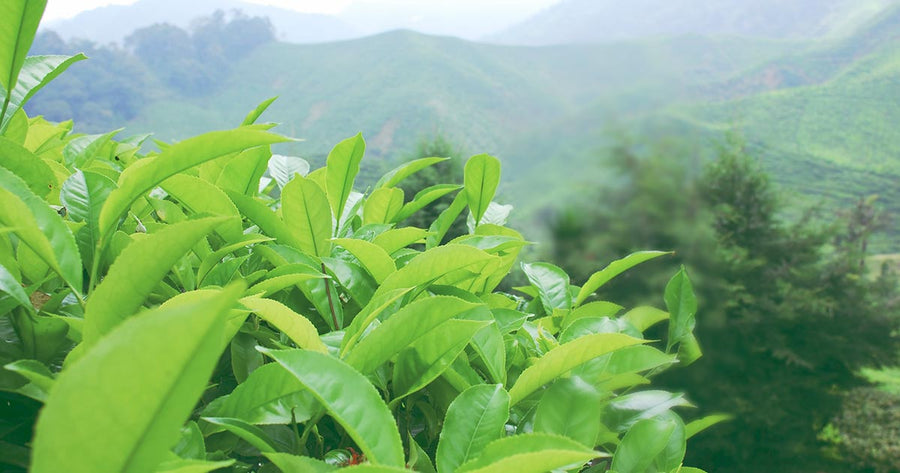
<point>58,9</point>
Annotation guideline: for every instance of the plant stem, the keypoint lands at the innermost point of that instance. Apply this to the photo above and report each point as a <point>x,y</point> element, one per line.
<point>330,301</point>
<point>5,106</point>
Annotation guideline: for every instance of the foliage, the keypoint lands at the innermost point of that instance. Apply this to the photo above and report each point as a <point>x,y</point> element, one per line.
<point>789,314</point>
<point>865,431</point>
<point>162,313</point>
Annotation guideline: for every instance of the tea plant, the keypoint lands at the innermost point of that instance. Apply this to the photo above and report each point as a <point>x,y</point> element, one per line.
<point>213,306</point>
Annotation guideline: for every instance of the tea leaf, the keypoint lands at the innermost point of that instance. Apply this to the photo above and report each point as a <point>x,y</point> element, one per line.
<point>530,453</point>
<point>682,305</point>
<point>382,205</point>
<point>398,174</point>
<point>21,18</point>
<point>36,72</point>
<point>297,327</point>
<point>30,168</point>
<point>137,272</point>
<point>428,357</point>
<point>201,197</point>
<point>372,257</point>
<point>552,284</point>
<point>249,433</point>
<point>482,175</point>
<point>270,395</point>
<point>304,208</point>
<point>341,169</point>
<point>563,358</point>
<point>402,329</point>
<point>364,416</point>
<point>40,228</point>
<point>174,348</point>
<point>475,418</point>
<point>423,198</point>
<point>147,173</point>
<point>643,442</point>
<point>287,462</point>
<point>570,407</point>
<point>614,269</point>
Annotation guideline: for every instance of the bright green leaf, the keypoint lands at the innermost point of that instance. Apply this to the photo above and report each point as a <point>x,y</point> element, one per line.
<point>17,30</point>
<point>270,395</point>
<point>428,357</point>
<point>174,349</point>
<point>374,258</point>
<point>682,305</point>
<point>402,329</point>
<point>552,284</point>
<point>643,442</point>
<point>248,432</point>
<point>530,453</point>
<point>137,272</point>
<point>364,416</point>
<point>482,175</point>
<point>30,168</point>
<point>305,210</point>
<point>423,198</point>
<point>614,269</point>
<point>341,169</point>
<point>382,205</point>
<point>40,228</point>
<point>147,173</point>
<point>297,327</point>
<point>201,197</point>
<point>563,358</point>
<point>570,407</point>
<point>474,419</point>
<point>398,174</point>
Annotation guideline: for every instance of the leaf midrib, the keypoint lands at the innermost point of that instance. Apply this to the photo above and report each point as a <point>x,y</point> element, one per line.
<point>156,411</point>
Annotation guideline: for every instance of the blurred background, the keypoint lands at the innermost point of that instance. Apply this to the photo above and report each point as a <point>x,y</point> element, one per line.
<point>758,139</point>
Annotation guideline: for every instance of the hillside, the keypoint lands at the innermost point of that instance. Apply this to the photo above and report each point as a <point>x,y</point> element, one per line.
<point>112,23</point>
<point>400,86</point>
<point>820,114</point>
<point>590,21</point>
<point>837,102</point>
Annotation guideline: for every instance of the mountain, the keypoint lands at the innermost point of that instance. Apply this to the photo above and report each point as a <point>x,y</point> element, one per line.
<point>397,87</point>
<point>112,23</point>
<point>820,114</point>
<point>590,21</point>
<point>836,101</point>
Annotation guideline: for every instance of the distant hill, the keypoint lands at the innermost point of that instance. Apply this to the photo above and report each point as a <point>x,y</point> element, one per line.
<point>112,23</point>
<point>837,101</point>
<point>591,21</point>
<point>821,114</point>
<point>397,87</point>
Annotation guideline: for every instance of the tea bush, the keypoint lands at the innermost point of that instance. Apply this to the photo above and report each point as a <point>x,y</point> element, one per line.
<point>165,312</point>
<point>866,431</point>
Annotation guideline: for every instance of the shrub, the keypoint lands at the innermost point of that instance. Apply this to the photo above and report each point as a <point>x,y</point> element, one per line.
<point>867,430</point>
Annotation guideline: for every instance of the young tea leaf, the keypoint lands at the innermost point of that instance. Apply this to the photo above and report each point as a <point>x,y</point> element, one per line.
<point>474,419</point>
<point>482,175</point>
<point>364,416</point>
<point>134,389</point>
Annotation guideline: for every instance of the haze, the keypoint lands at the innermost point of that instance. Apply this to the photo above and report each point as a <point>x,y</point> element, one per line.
<point>464,18</point>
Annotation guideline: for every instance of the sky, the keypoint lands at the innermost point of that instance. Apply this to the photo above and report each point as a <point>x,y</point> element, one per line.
<point>60,9</point>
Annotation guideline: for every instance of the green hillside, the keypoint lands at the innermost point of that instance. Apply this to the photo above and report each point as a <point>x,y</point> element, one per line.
<point>399,86</point>
<point>821,114</point>
<point>586,21</point>
<point>837,118</point>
